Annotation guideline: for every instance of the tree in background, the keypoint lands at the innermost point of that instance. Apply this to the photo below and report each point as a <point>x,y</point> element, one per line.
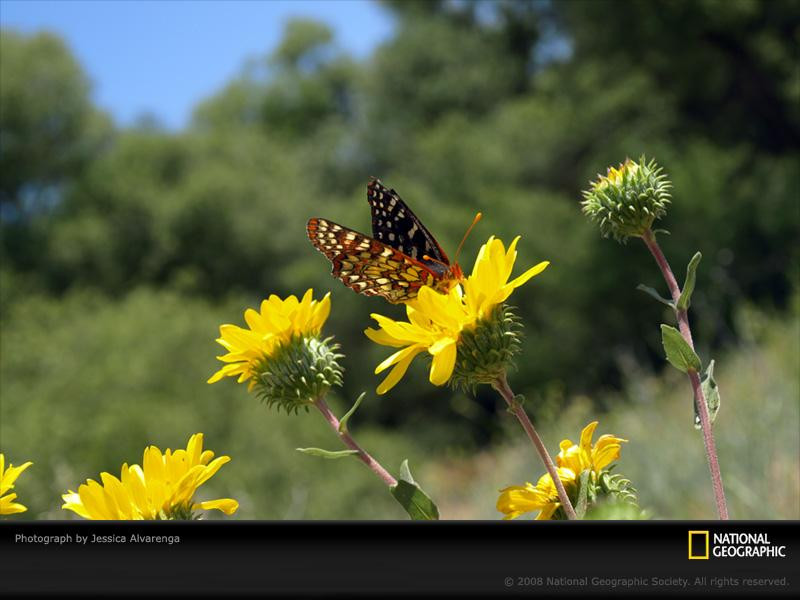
<point>505,107</point>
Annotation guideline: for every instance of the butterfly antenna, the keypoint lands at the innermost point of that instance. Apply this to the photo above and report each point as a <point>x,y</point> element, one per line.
<point>436,260</point>
<point>477,218</point>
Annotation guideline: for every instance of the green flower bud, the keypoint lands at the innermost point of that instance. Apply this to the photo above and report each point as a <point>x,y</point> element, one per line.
<point>298,373</point>
<point>603,491</point>
<point>627,200</point>
<point>181,512</point>
<point>616,487</point>
<point>486,351</point>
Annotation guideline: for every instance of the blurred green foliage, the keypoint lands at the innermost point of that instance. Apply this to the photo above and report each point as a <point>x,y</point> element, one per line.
<point>123,249</point>
<point>92,383</point>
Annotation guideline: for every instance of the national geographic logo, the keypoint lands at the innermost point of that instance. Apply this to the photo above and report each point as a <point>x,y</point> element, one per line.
<point>698,545</point>
<point>702,546</point>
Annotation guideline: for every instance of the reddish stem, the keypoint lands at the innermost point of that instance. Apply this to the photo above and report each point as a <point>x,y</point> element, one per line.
<point>682,316</point>
<point>505,391</point>
<point>348,441</point>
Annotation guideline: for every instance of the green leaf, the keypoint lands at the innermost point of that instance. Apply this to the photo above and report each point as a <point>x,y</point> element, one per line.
<point>688,285</point>
<point>416,503</point>
<point>583,494</point>
<point>711,392</point>
<point>346,417</point>
<point>651,292</point>
<point>679,353</point>
<point>405,472</point>
<point>327,453</point>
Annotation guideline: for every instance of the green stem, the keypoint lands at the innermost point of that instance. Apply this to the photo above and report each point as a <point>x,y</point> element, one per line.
<point>348,441</point>
<point>682,316</point>
<point>502,387</point>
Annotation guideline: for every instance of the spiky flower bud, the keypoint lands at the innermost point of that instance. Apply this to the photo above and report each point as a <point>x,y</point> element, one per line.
<point>628,199</point>
<point>486,351</point>
<point>298,373</point>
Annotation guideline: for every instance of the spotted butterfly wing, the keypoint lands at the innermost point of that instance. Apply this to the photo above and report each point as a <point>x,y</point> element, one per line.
<point>401,258</point>
<point>395,224</point>
<point>368,266</point>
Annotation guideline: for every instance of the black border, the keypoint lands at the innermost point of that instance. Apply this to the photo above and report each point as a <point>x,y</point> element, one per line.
<point>388,558</point>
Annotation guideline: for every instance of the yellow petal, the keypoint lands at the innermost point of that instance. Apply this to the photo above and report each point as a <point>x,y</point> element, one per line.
<point>606,450</point>
<point>301,317</point>
<point>379,336</point>
<point>586,437</point>
<point>532,272</point>
<point>133,479</point>
<point>507,259</point>
<point>444,360</point>
<point>72,501</point>
<point>547,512</point>
<point>321,313</point>
<point>9,476</point>
<point>274,318</point>
<point>571,457</point>
<point>399,356</point>
<point>405,332</point>
<point>397,372</point>
<point>8,507</point>
<point>517,500</point>
<point>254,320</point>
<point>153,464</point>
<point>211,469</point>
<point>439,309</point>
<point>226,505</point>
<point>417,317</point>
<point>194,449</point>
<point>481,257</point>
<point>116,497</point>
<point>93,498</point>
<point>236,337</point>
<point>223,372</point>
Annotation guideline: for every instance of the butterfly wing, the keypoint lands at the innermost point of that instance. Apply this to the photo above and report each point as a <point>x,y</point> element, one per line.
<point>394,224</point>
<point>366,265</point>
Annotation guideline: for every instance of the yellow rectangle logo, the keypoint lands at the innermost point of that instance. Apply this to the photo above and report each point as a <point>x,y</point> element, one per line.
<point>696,542</point>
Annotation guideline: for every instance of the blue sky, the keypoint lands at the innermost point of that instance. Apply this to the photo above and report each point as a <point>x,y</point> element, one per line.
<point>162,57</point>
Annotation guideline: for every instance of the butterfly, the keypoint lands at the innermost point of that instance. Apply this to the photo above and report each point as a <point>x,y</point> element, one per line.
<point>402,256</point>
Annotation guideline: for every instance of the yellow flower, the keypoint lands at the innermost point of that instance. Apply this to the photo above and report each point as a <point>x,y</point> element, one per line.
<point>437,323</point>
<point>7,478</point>
<point>488,284</point>
<point>587,456</point>
<point>434,324</point>
<point>517,500</point>
<point>163,488</point>
<point>572,460</point>
<point>278,322</point>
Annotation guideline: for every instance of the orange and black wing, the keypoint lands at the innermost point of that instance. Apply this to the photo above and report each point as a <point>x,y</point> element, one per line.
<point>396,225</point>
<point>367,265</point>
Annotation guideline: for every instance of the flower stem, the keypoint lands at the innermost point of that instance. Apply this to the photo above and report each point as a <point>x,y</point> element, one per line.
<point>682,316</point>
<point>502,387</point>
<point>348,441</point>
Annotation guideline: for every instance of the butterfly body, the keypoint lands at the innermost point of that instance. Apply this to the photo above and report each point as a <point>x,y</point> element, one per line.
<point>402,256</point>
